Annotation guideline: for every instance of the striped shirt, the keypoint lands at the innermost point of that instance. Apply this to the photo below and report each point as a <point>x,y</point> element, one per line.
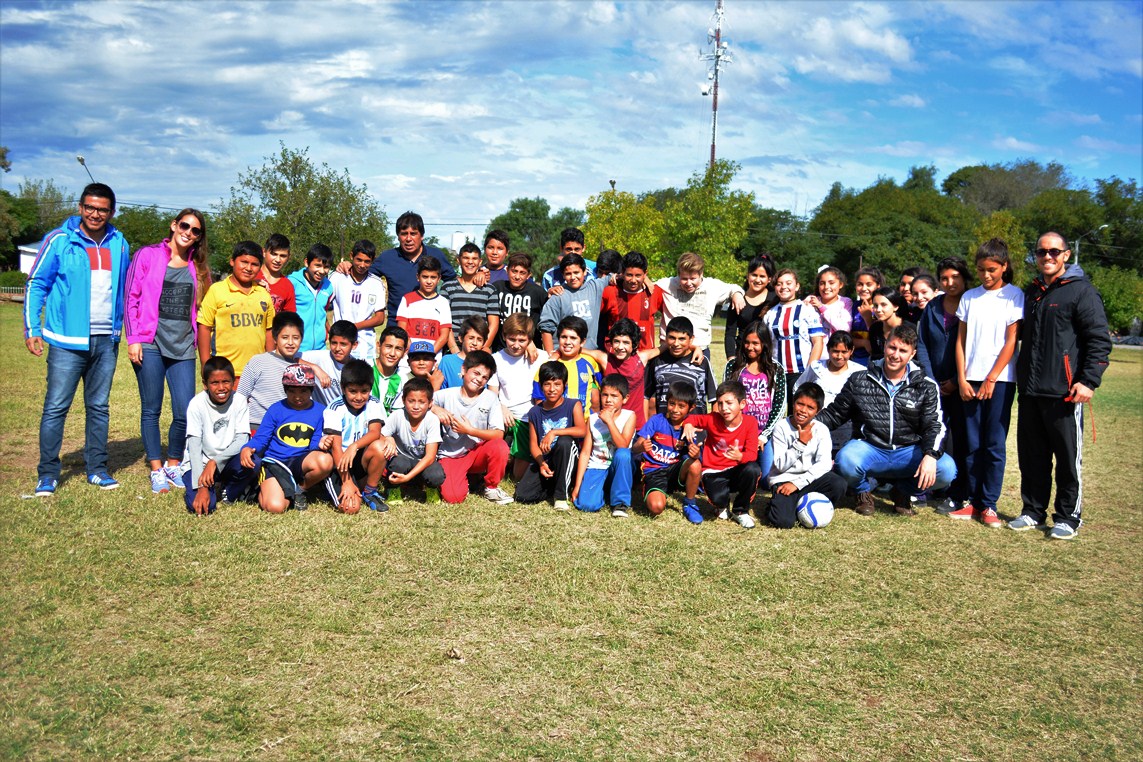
<point>794,326</point>
<point>663,370</point>
<point>464,304</point>
<point>261,384</point>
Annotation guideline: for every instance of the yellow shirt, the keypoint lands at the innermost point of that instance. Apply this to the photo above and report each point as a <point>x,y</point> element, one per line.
<point>239,321</point>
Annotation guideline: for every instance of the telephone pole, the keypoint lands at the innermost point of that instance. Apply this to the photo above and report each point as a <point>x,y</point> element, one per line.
<point>719,56</point>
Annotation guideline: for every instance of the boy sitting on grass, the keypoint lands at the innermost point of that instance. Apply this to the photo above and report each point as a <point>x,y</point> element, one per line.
<point>329,362</point>
<point>391,348</point>
<point>286,445</point>
<point>472,432</point>
<point>218,425</point>
<point>513,383</point>
<point>583,370</point>
<point>675,362</point>
<point>802,459</point>
<point>352,435</point>
<point>729,455</point>
<point>413,437</point>
<point>556,428</point>
<point>604,474</point>
<point>473,336</point>
<point>666,454</point>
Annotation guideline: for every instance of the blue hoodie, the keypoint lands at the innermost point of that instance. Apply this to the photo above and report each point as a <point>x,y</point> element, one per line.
<point>59,286</point>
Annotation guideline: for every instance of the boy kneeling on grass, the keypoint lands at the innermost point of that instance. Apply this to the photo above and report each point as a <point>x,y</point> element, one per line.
<point>413,436</point>
<point>666,454</point>
<point>729,455</point>
<point>218,425</point>
<point>352,436</point>
<point>604,474</point>
<point>286,445</point>
<point>556,428</point>
<point>802,459</point>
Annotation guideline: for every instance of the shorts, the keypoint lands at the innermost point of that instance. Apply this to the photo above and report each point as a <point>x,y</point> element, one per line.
<point>519,440</point>
<point>288,473</point>
<point>665,480</point>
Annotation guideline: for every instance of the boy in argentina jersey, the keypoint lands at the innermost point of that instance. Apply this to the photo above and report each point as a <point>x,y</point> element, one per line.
<point>360,298</point>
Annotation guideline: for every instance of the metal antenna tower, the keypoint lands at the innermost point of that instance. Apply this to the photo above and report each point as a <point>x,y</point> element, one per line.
<point>719,57</point>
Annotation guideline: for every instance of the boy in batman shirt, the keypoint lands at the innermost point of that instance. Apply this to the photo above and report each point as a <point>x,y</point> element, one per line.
<point>287,443</point>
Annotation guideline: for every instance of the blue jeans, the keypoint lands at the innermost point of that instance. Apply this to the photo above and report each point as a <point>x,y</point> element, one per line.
<point>611,485</point>
<point>859,460</point>
<point>66,367</point>
<point>179,375</point>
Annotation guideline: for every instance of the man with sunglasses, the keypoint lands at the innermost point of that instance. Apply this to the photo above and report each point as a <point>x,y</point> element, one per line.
<point>74,303</point>
<point>1064,348</point>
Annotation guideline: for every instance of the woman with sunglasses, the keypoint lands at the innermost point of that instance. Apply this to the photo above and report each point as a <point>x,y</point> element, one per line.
<point>165,285</point>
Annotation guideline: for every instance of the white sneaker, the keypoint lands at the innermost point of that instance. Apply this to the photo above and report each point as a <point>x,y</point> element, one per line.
<point>744,520</point>
<point>497,495</point>
<point>618,513</point>
<point>562,505</point>
<point>724,515</point>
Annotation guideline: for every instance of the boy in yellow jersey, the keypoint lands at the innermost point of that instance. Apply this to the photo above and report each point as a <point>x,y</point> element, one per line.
<point>583,370</point>
<point>237,312</point>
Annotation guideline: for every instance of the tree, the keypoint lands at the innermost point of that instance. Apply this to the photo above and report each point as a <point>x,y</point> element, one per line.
<point>1071,213</point>
<point>144,225</point>
<point>1005,226</point>
<point>618,220</point>
<point>1122,242</point>
<point>709,219</point>
<point>992,187</point>
<point>531,228</point>
<point>4,163</point>
<point>309,204</point>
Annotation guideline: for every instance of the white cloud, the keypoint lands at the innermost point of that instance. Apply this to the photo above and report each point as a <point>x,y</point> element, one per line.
<point>908,100</point>
<point>1014,144</point>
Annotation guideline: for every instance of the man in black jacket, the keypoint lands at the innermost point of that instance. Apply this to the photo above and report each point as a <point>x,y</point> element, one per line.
<point>898,434</point>
<point>1064,348</point>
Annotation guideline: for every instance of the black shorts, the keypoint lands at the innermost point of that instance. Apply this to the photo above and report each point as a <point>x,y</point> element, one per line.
<point>288,473</point>
<point>665,480</point>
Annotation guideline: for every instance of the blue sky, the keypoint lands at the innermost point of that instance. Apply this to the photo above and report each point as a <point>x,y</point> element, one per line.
<point>455,108</point>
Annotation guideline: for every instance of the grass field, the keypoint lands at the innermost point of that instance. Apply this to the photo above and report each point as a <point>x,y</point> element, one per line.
<point>130,629</point>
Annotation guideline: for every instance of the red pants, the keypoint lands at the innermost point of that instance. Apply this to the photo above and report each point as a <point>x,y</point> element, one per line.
<point>491,457</point>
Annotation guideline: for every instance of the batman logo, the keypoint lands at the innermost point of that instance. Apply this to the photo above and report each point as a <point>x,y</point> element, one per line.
<point>295,434</point>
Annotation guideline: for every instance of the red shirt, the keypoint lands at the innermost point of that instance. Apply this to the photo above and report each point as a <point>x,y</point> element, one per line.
<point>282,295</point>
<point>631,369</point>
<point>640,306</point>
<point>719,439</point>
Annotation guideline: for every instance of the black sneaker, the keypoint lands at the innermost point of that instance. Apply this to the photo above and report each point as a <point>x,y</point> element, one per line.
<point>374,501</point>
<point>300,502</point>
<point>947,505</point>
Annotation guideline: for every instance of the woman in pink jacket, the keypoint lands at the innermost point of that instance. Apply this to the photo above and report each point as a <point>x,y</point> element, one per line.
<point>165,285</point>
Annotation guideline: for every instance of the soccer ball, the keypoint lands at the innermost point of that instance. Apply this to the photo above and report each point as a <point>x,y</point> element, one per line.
<point>815,510</point>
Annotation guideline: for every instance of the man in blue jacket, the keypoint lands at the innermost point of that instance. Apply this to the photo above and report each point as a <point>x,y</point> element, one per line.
<point>76,290</point>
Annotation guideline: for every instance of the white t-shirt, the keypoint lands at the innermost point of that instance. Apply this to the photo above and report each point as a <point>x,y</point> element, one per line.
<point>217,427</point>
<point>324,360</point>
<point>339,419</point>
<point>412,442</point>
<point>514,376</point>
<point>831,383</point>
<point>357,302</point>
<point>986,316</point>
<point>481,412</point>
<point>602,445</point>
<point>698,307</point>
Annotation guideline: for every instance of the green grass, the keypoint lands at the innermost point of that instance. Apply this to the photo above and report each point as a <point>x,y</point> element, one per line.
<point>131,629</point>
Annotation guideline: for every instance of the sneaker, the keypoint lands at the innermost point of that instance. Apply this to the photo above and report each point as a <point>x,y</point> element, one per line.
<point>903,504</point>
<point>373,499</point>
<point>744,520</point>
<point>1024,522</point>
<point>500,497</point>
<point>159,484</point>
<point>46,487</point>
<point>432,495</point>
<point>691,511</point>
<point>174,476</point>
<point>103,481</point>
<point>989,518</point>
<point>300,501</point>
<point>965,513</point>
<point>947,506</point>
<point>394,497</point>
<point>724,515</point>
<point>619,512</point>
<point>562,505</point>
<point>1063,532</point>
<point>864,506</point>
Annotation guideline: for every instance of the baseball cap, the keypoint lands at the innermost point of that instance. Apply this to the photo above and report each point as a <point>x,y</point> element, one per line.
<point>298,375</point>
<point>422,347</point>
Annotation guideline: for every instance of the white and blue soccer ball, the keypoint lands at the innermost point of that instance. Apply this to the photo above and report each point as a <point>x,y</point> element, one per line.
<point>814,510</point>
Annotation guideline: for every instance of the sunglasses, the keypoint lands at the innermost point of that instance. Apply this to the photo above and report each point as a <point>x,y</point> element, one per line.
<point>194,229</point>
<point>1053,253</point>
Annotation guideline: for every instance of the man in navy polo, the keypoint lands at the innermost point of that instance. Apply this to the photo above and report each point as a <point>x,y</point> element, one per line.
<point>398,266</point>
